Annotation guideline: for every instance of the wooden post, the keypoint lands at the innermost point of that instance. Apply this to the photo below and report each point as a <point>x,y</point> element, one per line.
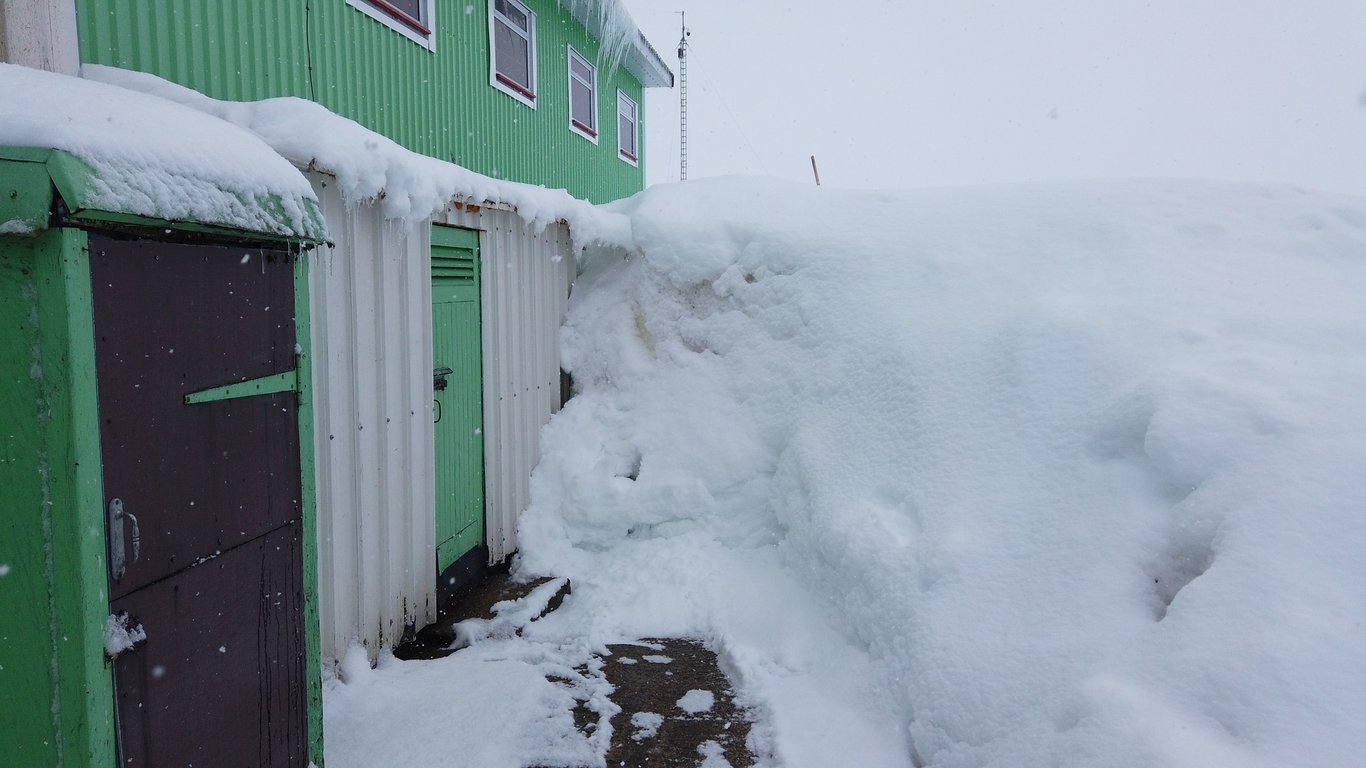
<point>816,171</point>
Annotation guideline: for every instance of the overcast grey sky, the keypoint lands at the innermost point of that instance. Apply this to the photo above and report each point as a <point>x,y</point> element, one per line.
<point>904,93</point>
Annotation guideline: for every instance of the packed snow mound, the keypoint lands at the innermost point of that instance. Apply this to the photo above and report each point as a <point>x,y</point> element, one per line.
<point>503,703</point>
<point>1030,475</point>
<point>369,167</point>
<point>153,157</point>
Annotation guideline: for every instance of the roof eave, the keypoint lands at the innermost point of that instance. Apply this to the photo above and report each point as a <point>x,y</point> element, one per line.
<point>645,64</point>
<point>641,60</point>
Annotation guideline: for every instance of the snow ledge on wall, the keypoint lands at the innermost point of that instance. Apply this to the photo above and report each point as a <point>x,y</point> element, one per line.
<point>151,157</point>
<point>369,167</point>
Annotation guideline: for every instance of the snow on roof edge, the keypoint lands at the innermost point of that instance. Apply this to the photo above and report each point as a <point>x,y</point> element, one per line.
<point>150,157</point>
<point>369,167</point>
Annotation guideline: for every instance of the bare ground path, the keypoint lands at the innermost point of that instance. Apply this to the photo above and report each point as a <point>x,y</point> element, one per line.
<point>678,708</point>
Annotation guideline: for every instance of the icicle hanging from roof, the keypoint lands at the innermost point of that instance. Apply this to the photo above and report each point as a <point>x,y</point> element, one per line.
<point>615,29</point>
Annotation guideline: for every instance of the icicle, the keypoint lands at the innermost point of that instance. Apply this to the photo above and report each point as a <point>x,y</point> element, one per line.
<point>616,31</point>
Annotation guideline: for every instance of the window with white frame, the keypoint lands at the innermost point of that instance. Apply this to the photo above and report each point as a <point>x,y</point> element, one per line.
<point>411,18</point>
<point>583,96</point>
<point>512,50</point>
<point>628,129</point>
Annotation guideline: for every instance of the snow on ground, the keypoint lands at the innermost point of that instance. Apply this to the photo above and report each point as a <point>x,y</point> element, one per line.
<point>696,700</point>
<point>1007,476</point>
<point>492,705</point>
<point>646,725</point>
<point>1059,475</point>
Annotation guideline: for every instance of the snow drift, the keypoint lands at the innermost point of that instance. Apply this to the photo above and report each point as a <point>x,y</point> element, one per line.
<point>1031,475</point>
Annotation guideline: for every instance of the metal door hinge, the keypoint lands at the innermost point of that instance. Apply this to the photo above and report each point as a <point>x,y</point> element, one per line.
<point>266,385</point>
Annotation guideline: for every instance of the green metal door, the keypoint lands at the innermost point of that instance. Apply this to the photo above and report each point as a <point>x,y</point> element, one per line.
<point>457,396</point>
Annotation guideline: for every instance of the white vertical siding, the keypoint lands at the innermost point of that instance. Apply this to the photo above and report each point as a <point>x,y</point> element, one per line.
<point>372,370</point>
<point>525,281</point>
<point>40,34</point>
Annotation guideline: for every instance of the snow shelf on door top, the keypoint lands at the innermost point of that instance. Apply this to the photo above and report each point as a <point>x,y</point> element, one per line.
<point>150,157</point>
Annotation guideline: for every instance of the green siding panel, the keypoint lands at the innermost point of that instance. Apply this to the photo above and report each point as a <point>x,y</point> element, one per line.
<point>80,597</point>
<point>309,490</point>
<point>25,196</point>
<point>53,581</point>
<point>437,103</point>
<point>26,674</point>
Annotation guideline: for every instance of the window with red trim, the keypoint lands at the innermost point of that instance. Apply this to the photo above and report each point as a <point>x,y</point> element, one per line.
<point>512,36</point>
<point>628,128</point>
<point>583,95</point>
<point>412,18</point>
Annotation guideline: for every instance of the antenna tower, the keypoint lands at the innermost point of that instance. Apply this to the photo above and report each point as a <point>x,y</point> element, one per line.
<point>683,99</point>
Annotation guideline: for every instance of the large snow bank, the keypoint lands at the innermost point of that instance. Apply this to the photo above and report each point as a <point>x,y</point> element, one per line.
<point>152,157</point>
<point>1019,476</point>
<point>370,167</point>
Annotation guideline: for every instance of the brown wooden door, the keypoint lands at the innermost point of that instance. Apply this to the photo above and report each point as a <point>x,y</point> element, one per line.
<point>217,581</point>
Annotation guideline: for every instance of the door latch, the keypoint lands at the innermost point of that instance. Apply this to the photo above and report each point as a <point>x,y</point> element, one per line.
<point>118,558</point>
<point>439,378</point>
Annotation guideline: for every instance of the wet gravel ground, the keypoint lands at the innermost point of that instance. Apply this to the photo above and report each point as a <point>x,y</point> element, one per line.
<point>434,640</point>
<point>657,682</point>
<point>677,706</point>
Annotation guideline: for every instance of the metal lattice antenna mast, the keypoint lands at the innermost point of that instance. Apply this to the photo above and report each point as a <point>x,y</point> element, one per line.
<point>683,100</point>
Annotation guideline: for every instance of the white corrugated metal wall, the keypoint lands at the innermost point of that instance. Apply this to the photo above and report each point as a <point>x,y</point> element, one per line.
<point>372,380</point>
<point>372,370</point>
<point>525,281</point>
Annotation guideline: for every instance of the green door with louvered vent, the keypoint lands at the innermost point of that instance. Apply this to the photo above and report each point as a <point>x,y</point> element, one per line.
<point>457,394</point>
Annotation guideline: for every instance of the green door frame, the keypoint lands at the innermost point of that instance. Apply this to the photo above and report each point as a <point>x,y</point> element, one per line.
<point>53,569</point>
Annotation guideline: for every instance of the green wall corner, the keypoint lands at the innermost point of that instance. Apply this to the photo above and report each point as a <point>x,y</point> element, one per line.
<point>309,504</point>
<point>52,547</point>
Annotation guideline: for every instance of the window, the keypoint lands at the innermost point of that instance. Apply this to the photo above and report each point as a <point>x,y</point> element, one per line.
<point>512,45</point>
<point>410,18</point>
<point>583,96</point>
<point>628,129</point>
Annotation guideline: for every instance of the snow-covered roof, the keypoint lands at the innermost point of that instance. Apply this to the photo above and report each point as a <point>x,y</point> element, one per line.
<point>410,187</point>
<point>622,42</point>
<point>156,149</point>
<point>154,158</point>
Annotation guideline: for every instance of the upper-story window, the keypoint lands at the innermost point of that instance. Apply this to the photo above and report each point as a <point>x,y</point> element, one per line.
<point>583,96</point>
<point>512,43</point>
<point>628,129</point>
<point>411,18</point>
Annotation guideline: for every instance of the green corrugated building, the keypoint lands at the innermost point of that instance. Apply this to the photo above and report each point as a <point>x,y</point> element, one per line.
<point>485,84</point>
<point>159,440</point>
